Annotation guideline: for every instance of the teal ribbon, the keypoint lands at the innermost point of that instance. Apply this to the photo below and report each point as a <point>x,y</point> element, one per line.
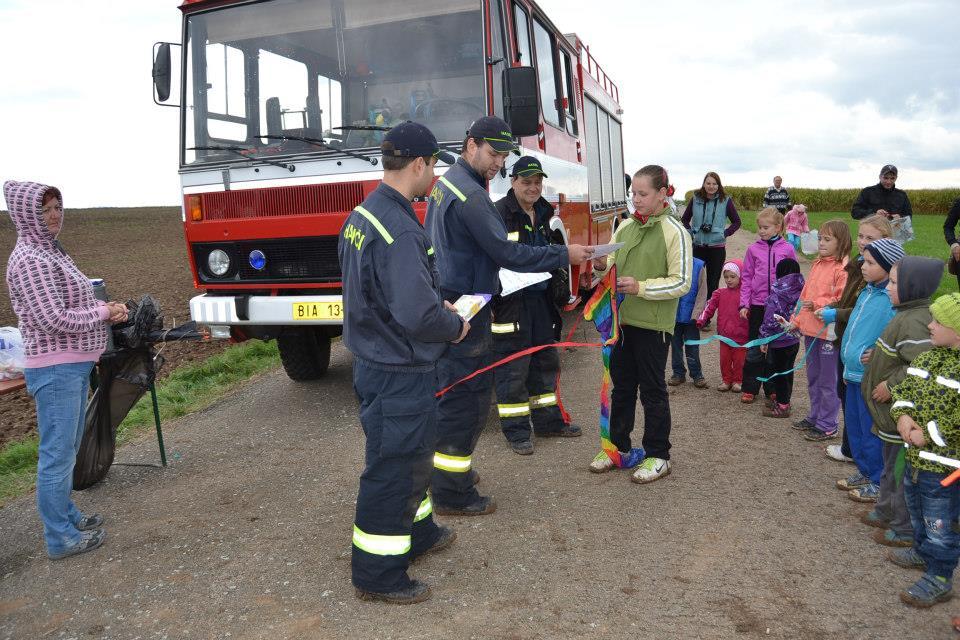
<point>727,341</point>
<point>759,342</point>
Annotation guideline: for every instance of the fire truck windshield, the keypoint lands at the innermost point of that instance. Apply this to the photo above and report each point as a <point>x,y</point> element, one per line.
<point>259,75</point>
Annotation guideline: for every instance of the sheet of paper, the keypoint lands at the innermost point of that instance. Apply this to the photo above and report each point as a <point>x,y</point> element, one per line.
<point>468,305</point>
<point>601,250</point>
<point>511,281</point>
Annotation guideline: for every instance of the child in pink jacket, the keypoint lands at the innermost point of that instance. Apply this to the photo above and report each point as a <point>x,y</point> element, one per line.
<point>759,274</point>
<point>725,302</point>
<point>797,224</point>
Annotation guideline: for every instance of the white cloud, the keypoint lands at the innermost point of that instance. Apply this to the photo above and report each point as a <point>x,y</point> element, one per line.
<point>821,92</point>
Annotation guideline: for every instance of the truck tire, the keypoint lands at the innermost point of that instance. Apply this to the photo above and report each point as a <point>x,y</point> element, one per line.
<point>305,353</point>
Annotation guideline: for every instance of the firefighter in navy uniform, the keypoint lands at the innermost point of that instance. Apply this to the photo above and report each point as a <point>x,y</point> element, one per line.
<point>526,387</point>
<point>471,245</point>
<point>397,326</point>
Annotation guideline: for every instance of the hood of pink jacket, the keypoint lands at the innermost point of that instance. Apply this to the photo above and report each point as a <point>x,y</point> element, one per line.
<point>25,204</point>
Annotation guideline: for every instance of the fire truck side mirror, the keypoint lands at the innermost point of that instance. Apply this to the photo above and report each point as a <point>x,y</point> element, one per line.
<point>162,73</point>
<point>521,100</point>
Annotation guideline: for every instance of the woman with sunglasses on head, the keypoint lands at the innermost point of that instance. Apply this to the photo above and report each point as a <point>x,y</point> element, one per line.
<point>64,331</point>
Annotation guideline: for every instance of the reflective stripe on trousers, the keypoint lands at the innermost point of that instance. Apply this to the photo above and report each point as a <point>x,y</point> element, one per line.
<point>504,327</point>
<point>545,400</point>
<point>454,464</point>
<point>380,545</point>
<point>512,410</point>
<point>424,510</point>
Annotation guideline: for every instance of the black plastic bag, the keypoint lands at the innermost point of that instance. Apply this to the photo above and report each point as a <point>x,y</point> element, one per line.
<point>124,376</point>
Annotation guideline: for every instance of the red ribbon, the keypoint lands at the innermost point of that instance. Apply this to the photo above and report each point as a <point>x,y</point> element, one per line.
<point>514,356</point>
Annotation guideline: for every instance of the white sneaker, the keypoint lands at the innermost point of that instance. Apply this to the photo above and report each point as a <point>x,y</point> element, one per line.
<point>601,463</point>
<point>834,452</point>
<point>736,388</point>
<point>724,386</point>
<point>651,469</point>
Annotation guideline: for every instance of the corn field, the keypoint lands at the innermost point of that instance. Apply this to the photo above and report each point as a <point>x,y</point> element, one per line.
<point>924,201</point>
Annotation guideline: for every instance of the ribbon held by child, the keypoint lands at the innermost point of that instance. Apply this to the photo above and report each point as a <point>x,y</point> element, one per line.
<point>603,309</point>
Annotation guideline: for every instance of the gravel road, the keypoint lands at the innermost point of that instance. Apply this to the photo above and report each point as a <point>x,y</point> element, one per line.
<point>247,534</point>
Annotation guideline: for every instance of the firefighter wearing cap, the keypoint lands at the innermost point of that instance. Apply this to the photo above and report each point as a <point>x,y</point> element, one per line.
<point>526,387</point>
<point>471,245</point>
<point>397,327</point>
<point>883,198</point>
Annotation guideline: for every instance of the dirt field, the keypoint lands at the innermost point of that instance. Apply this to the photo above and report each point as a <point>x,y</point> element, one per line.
<point>135,251</point>
<point>247,534</point>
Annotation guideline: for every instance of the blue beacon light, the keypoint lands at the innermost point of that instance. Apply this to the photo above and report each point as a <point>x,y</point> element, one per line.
<point>258,260</point>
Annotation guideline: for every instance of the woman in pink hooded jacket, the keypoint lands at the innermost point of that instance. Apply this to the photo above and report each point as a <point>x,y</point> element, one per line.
<point>64,332</point>
<point>759,274</point>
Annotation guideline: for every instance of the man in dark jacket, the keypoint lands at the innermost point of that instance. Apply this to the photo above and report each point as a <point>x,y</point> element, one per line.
<point>883,198</point>
<point>397,326</point>
<point>526,387</point>
<point>471,245</point>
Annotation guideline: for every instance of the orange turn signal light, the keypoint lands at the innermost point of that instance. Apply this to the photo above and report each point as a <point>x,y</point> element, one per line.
<point>194,208</point>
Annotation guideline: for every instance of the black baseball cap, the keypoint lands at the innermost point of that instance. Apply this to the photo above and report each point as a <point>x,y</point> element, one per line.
<point>888,168</point>
<point>495,132</point>
<point>413,140</point>
<point>527,166</point>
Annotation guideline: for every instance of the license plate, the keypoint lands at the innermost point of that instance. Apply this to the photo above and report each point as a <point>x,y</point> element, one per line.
<point>329,310</point>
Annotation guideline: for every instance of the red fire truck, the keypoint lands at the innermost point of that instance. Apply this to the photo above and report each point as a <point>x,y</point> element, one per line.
<point>283,105</point>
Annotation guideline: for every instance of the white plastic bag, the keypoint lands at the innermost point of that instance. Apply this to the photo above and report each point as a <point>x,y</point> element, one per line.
<point>902,229</point>
<point>11,353</point>
<point>810,242</point>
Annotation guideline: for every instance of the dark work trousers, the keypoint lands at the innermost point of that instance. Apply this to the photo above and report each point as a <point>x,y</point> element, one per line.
<point>638,362</point>
<point>782,359</point>
<point>755,363</point>
<point>526,387</point>
<point>462,413</point>
<point>842,392</point>
<point>713,259</point>
<point>394,518</point>
<point>682,332</point>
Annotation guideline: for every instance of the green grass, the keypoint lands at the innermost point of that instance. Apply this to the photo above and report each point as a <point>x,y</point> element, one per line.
<point>928,241</point>
<point>187,389</point>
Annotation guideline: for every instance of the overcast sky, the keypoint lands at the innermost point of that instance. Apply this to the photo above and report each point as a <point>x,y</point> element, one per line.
<point>821,92</point>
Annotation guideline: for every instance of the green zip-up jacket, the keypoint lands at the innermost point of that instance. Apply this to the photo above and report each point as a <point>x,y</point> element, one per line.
<point>659,254</point>
<point>904,339</point>
<point>929,395</point>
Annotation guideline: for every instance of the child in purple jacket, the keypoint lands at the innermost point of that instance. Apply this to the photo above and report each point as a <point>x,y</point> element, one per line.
<point>782,352</point>
<point>756,282</point>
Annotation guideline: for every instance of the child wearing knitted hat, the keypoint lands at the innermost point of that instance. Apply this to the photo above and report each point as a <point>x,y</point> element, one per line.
<point>870,316</point>
<point>927,410</point>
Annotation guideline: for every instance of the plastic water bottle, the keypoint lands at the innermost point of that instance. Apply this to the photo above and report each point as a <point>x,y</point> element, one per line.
<point>100,293</point>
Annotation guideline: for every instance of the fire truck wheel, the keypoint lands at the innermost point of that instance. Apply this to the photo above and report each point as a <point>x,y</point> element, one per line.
<point>305,353</point>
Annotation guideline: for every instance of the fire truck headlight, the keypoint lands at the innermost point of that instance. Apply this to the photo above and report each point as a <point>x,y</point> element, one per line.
<point>219,262</point>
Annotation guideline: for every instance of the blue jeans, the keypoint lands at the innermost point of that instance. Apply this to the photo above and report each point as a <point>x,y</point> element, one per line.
<point>60,392</point>
<point>681,332</point>
<point>933,512</point>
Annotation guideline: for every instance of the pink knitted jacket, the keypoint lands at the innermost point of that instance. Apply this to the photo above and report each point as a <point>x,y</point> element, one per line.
<point>60,320</point>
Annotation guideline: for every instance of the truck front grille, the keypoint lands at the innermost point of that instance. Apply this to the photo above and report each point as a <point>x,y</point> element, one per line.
<point>312,259</point>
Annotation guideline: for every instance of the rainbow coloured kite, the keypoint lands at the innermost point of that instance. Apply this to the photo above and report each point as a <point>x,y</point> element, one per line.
<point>603,310</point>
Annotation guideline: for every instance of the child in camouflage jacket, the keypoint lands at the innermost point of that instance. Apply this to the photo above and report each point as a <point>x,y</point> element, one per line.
<point>927,410</point>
